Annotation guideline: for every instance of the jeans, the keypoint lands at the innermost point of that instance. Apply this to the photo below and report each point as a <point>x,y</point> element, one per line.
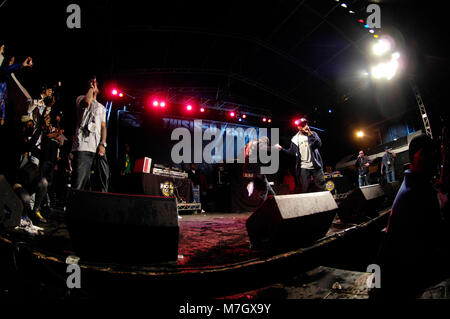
<point>304,180</point>
<point>390,176</point>
<point>363,180</point>
<point>82,166</point>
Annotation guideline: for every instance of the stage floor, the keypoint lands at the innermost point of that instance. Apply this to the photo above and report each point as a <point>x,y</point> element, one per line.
<point>206,240</point>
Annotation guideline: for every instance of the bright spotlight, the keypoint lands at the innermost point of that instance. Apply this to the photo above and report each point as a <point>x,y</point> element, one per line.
<point>114,92</point>
<point>121,94</point>
<point>155,103</point>
<point>385,70</point>
<point>202,110</point>
<point>371,31</point>
<point>244,116</point>
<point>396,56</point>
<point>269,120</point>
<point>297,122</point>
<point>360,134</point>
<point>264,119</point>
<point>381,47</point>
<point>162,104</point>
<point>189,107</point>
<point>232,114</point>
<point>344,5</point>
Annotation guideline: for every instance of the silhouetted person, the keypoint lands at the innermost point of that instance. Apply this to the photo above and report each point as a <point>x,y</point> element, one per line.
<point>363,164</point>
<point>414,250</point>
<point>388,165</point>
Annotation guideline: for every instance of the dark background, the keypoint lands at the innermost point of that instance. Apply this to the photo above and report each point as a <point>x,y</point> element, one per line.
<point>288,58</point>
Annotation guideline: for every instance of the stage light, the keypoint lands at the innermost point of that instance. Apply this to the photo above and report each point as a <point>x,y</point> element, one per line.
<point>344,5</point>
<point>232,114</point>
<point>264,119</point>
<point>120,94</point>
<point>155,103</point>
<point>114,92</point>
<point>366,26</point>
<point>381,47</point>
<point>376,36</point>
<point>385,70</point>
<point>395,55</point>
<point>244,116</point>
<point>372,31</point>
<point>361,21</point>
<point>189,108</point>
<point>269,120</point>
<point>351,12</point>
<point>202,110</point>
<point>330,111</point>
<point>240,120</point>
<point>360,134</point>
<point>297,122</point>
<point>162,104</point>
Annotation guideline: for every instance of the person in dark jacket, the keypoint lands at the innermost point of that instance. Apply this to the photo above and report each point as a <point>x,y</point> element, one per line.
<point>363,164</point>
<point>415,251</point>
<point>309,166</point>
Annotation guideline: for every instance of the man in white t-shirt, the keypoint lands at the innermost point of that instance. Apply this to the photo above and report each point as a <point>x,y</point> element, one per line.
<point>90,139</point>
<point>309,166</point>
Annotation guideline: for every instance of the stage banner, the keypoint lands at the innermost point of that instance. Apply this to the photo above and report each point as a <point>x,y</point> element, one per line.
<point>152,137</point>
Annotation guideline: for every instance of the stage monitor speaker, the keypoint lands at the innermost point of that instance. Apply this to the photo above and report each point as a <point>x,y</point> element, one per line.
<point>128,229</point>
<point>361,203</point>
<point>291,221</point>
<point>10,205</point>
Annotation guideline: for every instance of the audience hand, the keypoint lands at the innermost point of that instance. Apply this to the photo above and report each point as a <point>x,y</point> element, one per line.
<point>28,63</point>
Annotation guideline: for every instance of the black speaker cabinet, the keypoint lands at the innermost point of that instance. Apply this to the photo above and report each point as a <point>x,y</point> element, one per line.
<point>292,221</point>
<point>361,203</point>
<point>128,229</point>
<point>10,205</point>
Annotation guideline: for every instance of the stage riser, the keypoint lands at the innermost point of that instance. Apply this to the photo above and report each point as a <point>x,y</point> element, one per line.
<point>121,228</point>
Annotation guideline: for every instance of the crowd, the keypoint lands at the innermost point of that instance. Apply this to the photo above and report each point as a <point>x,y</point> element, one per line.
<point>39,161</point>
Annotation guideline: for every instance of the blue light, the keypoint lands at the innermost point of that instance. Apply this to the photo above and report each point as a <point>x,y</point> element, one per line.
<point>330,111</point>
<point>366,26</point>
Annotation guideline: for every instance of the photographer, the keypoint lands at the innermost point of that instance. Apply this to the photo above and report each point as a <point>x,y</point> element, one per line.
<point>89,145</point>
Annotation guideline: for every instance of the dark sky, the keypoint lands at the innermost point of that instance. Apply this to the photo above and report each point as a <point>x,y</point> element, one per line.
<point>288,57</point>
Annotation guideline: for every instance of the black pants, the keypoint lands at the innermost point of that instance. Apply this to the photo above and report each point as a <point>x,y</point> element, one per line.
<point>310,178</point>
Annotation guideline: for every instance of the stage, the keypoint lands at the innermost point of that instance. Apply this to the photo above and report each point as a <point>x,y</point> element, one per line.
<point>215,259</point>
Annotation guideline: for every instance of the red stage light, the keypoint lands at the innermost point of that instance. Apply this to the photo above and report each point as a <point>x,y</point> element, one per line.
<point>297,122</point>
<point>155,103</point>
<point>114,92</point>
<point>189,108</point>
<point>361,21</point>
<point>264,119</point>
<point>120,94</point>
<point>162,104</point>
<point>232,114</point>
<point>202,110</point>
<point>244,116</point>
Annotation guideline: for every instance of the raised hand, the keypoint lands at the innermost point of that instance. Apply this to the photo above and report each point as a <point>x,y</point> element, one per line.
<point>28,63</point>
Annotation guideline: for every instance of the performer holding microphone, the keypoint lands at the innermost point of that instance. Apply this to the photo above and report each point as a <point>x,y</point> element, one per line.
<point>309,166</point>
